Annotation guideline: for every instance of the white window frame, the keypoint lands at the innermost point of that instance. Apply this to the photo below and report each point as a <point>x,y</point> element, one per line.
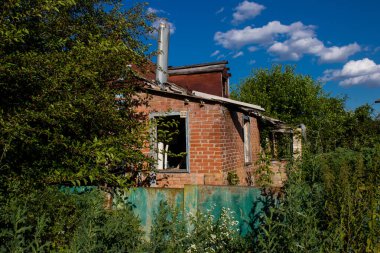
<point>153,152</point>
<point>247,140</point>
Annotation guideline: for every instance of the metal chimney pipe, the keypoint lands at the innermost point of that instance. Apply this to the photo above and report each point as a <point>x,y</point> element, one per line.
<point>163,53</point>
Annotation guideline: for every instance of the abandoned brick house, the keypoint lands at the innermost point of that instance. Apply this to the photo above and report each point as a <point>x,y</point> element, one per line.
<point>208,135</point>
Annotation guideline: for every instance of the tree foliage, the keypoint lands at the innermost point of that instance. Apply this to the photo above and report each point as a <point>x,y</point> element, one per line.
<point>296,99</point>
<point>331,200</point>
<point>61,67</point>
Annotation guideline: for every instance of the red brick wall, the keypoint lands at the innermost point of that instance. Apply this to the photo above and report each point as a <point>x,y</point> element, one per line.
<point>216,145</point>
<point>210,83</point>
<point>233,146</point>
<point>279,175</point>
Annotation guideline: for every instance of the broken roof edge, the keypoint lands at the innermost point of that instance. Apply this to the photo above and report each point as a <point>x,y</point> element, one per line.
<point>171,88</point>
<point>176,90</point>
<point>227,100</point>
<point>274,121</point>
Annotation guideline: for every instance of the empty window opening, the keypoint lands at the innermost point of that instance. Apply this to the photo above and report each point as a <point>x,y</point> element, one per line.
<point>171,142</point>
<point>281,144</point>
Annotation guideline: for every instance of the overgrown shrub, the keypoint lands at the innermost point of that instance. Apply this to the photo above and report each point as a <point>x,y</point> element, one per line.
<point>331,204</point>
<point>201,232</point>
<point>168,230</point>
<point>54,220</point>
<point>33,218</point>
<point>50,220</point>
<point>102,230</point>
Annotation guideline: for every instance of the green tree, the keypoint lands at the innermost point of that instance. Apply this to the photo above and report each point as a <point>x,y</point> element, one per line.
<point>62,64</point>
<point>296,99</point>
<point>362,128</point>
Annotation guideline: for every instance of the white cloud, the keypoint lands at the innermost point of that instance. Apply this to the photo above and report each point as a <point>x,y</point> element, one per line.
<point>360,72</point>
<point>364,66</point>
<point>157,22</point>
<point>219,11</point>
<point>246,10</point>
<point>286,42</point>
<point>295,49</point>
<point>238,54</point>
<point>237,38</point>
<point>370,80</point>
<point>251,62</point>
<point>215,53</point>
<point>338,54</point>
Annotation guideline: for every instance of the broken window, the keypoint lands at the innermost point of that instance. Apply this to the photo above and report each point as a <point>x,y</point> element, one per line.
<point>282,144</point>
<point>247,140</point>
<point>170,145</point>
<point>277,139</point>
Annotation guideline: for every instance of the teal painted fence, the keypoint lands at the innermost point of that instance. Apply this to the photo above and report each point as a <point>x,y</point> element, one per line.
<point>245,202</point>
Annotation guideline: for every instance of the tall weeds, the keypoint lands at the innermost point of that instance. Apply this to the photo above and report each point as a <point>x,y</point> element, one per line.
<point>49,220</point>
<point>331,204</point>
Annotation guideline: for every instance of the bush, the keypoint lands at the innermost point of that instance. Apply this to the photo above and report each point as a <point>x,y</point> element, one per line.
<point>102,230</point>
<point>332,204</point>
<point>51,220</point>
<point>202,232</point>
<point>55,220</point>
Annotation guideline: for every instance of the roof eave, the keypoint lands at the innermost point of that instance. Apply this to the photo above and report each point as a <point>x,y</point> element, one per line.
<point>228,101</point>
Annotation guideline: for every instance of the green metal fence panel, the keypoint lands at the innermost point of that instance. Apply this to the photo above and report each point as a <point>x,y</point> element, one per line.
<point>245,202</point>
<point>146,201</point>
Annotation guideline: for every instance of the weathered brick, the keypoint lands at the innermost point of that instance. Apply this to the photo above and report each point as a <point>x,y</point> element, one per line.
<point>216,142</point>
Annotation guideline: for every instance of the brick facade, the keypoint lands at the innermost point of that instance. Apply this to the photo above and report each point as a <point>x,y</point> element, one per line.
<point>206,82</point>
<point>216,142</point>
<point>233,146</point>
<point>211,78</point>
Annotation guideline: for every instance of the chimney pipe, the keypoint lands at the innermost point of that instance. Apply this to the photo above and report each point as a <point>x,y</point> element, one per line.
<point>163,53</point>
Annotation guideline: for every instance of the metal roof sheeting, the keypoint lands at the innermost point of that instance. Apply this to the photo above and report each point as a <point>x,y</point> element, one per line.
<point>227,100</point>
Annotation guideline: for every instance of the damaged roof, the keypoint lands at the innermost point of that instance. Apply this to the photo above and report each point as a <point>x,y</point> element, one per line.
<point>224,100</point>
<point>172,88</point>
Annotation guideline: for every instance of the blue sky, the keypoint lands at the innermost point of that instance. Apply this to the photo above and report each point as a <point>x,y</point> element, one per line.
<point>337,42</point>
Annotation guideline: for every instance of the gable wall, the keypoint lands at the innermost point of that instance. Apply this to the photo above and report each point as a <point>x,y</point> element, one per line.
<point>210,83</point>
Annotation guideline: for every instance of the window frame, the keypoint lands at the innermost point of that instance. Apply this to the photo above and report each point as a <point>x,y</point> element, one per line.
<point>247,140</point>
<point>153,139</point>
